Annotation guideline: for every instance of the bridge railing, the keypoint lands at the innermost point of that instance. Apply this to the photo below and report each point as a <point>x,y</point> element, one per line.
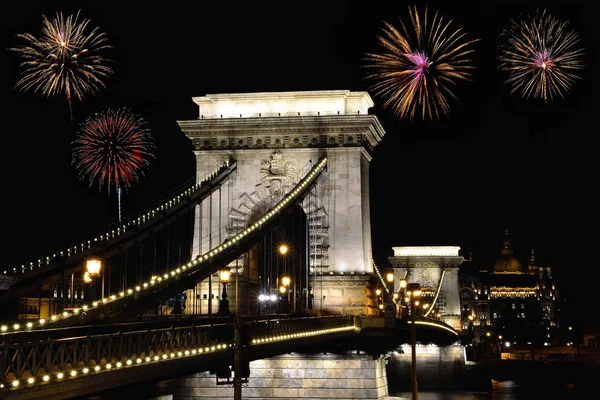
<point>262,331</point>
<point>35,364</point>
<point>185,276</point>
<point>26,364</point>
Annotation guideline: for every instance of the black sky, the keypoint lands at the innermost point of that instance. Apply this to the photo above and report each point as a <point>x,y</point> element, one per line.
<point>498,162</point>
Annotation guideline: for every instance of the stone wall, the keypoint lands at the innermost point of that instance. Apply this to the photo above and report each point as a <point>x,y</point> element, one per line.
<point>344,294</point>
<point>301,376</point>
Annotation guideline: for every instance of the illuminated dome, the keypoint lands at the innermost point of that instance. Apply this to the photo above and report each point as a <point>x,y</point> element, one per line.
<point>507,261</point>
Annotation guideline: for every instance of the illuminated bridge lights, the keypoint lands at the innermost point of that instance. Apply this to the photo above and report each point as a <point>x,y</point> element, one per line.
<point>145,285</point>
<point>121,229</point>
<point>435,324</point>
<point>128,363</point>
<point>279,338</point>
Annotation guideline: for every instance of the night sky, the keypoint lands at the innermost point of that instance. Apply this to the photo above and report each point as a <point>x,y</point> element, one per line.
<point>496,162</point>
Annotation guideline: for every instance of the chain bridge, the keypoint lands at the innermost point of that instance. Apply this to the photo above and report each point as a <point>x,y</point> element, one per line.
<point>264,254</point>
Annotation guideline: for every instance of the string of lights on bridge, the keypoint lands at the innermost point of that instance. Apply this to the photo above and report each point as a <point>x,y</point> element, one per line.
<point>167,278</point>
<point>74,373</point>
<point>166,356</point>
<point>123,228</point>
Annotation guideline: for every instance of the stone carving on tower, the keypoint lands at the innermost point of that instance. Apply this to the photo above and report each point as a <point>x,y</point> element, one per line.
<point>277,175</point>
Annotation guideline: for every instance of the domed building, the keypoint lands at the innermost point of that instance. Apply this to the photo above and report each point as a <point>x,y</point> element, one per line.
<point>509,302</point>
<point>507,263</point>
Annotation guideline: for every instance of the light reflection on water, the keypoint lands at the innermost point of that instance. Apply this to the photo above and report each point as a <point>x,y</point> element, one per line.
<point>505,390</point>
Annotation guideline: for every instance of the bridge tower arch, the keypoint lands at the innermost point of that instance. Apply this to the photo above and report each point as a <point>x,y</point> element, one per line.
<point>274,137</point>
<point>435,268</point>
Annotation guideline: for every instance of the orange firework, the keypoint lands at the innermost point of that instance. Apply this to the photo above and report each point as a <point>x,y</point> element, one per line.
<point>417,67</point>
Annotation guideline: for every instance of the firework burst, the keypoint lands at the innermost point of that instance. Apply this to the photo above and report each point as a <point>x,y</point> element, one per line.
<point>541,56</point>
<point>114,148</point>
<point>66,59</point>
<point>418,67</point>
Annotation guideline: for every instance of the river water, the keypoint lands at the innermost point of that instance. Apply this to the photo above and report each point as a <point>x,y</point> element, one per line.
<point>511,390</point>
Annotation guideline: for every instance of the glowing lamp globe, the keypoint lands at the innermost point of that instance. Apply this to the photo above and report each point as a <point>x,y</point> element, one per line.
<point>93,266</point>
<point>224,275</point>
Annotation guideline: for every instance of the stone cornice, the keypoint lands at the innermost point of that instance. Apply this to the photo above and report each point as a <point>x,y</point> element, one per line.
<point>426,261</point>
<point>276,132</point>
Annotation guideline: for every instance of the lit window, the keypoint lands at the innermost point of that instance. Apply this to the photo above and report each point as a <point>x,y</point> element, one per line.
<point>495,315</point>
<point>513,306</point>
<point>522,306</point>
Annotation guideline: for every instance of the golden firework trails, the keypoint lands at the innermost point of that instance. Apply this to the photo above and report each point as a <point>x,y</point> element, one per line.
<point>65,59</point>
<point>541,56</point>
<point>417,68</point>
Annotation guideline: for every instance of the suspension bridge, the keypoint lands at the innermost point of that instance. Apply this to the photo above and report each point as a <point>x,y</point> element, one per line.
<point>273,169</point>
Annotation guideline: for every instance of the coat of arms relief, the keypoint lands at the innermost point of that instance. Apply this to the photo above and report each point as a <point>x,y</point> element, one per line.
<point>277,175</point>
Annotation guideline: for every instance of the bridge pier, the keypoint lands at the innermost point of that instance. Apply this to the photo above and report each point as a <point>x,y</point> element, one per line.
<point>301,376</point>
<point>438,368</point>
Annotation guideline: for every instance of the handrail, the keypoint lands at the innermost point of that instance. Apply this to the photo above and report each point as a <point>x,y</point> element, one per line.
<point>437,293</point>
<point>133,295</point>
<point>151,288</point>
<point>385,285</point>
<point>154,206</point>
<point>127,230</point>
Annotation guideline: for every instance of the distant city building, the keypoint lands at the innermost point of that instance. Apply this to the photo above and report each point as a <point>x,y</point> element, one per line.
<point>515,304</point>
<point>53,299</point>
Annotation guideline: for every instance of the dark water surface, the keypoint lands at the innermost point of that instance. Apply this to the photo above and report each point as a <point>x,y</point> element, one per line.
<point>522,381</point>
<point>512,390</point>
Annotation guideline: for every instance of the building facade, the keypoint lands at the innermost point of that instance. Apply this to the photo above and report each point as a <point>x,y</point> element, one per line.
<point>510,304</point>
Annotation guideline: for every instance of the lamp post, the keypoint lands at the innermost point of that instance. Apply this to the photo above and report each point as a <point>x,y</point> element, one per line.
<point>413,292</point>
<point>283,250</point>
<point>285,281</point>
<point>390,278</point>
<point>224,303</point>
<point>402,295</point>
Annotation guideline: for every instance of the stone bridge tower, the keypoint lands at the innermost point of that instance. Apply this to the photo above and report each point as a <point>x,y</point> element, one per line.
<point>435,268</point>
<point>275,137</point>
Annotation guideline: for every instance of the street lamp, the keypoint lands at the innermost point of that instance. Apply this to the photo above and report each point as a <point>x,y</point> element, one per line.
<point>390,280</point>
<point>93,268</point>
<point>283,250</point>
<point>285,281</point>
<point>413,292</point>
<point>379,300</point>
<point>402,299</point>
<point>390,277</point>
<point>224,303</point>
